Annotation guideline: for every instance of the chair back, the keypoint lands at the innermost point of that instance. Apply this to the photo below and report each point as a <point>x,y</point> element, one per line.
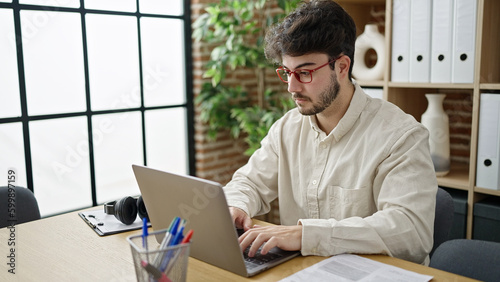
<point>443,218</point>
<point>18,205</point>
<point>475,259</point>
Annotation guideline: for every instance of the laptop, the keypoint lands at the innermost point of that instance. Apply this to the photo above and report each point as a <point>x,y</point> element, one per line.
<point>203,205</point>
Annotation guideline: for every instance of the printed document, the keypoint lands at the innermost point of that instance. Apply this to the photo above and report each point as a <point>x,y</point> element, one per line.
<point>349,267</point>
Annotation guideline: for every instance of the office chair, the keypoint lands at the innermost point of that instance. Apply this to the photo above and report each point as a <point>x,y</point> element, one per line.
<point>472,258</point>
<point>26,206</point>
<point>443,218</point>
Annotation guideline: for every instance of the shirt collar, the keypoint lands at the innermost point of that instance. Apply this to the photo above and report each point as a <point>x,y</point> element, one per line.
<point>352,114</point>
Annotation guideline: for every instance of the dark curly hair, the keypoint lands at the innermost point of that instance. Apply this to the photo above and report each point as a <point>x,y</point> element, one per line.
<point>319,26</point>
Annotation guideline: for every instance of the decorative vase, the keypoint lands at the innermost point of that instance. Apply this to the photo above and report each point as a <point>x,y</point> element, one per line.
<point>437,122</point>
<point>371,38</point>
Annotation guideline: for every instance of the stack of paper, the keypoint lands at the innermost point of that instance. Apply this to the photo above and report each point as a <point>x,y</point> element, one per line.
<point>355,268</point>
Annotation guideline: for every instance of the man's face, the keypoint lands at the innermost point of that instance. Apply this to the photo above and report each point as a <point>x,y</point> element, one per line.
<point>314,97</point>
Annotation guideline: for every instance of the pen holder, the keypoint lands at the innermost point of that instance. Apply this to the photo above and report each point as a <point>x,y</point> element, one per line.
<point>153,263</point>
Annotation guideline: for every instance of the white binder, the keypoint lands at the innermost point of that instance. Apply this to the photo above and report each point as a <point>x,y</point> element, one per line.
<point>400,59</point>
<point>488,145</point>
<point>374,92</point>
<point>420,40</point>
<point>441,41</point>
<point>464,41</point>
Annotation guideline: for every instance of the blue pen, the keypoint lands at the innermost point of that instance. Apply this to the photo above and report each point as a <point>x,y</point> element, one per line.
<point>178,237</point>
<point>175,241</point>
<point>171,231</point>
<point>145,236</point>
<point>145,233</point>
<point>175,226</point>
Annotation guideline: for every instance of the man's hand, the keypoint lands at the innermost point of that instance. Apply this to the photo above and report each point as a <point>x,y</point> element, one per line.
<point>240,218</point>
<point>288,238</point>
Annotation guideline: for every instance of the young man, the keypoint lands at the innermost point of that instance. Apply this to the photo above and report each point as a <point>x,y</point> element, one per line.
<point>352,174</point>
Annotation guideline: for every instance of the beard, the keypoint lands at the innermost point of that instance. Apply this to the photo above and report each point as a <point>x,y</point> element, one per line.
<point>326,98</point>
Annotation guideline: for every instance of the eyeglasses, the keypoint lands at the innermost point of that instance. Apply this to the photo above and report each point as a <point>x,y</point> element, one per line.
<point>302,75</point>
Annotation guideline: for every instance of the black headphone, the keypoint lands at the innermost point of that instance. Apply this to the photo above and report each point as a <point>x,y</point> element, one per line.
<point>126,209</point>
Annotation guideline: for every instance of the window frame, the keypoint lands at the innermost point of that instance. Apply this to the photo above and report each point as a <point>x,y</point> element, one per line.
<point>25,119</point>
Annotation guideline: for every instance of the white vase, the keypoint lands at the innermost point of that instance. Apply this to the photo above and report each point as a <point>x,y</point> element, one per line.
<point>371,38</point>
<point>437,122</point>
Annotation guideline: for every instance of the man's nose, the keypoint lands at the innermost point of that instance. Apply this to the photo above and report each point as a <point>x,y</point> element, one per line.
<point>294,85</point>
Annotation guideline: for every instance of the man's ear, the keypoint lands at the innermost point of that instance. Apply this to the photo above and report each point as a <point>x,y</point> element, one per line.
<point>343,65</point>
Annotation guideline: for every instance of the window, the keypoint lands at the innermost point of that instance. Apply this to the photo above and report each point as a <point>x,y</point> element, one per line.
<point>88,88</point>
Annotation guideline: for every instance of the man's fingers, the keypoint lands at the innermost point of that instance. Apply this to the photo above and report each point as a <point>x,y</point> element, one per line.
<point>247,223</point>
<point>271,243</point>
<point>285,237</point>
<point>259,240</point>
<point>246,240</point>
<point>240,218</point>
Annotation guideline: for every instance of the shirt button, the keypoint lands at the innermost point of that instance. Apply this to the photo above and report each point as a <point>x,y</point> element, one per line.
<point>314,182</point>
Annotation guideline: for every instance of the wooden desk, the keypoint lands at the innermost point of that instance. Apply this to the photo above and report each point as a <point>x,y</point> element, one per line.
<point>64,248</point>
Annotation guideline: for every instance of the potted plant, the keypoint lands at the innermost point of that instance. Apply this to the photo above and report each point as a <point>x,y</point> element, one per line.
<point>236,29</point>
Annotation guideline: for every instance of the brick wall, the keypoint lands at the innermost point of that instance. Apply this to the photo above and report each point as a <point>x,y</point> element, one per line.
<point>214,160</point>
<point>458,106</point>
<point>218,160</point>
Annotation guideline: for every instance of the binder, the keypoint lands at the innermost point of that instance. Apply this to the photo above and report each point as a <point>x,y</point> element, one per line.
<point>420,40</point>
<point>488,148</point>
<point>441,41</point>
<point>464,41</point>
<point>400,59</point>
<point>374,92</point>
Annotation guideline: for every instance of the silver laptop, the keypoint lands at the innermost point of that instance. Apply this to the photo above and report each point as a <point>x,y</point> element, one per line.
<point>203,204</point>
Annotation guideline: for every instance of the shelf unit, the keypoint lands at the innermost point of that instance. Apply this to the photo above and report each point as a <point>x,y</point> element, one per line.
<point>410,96</point>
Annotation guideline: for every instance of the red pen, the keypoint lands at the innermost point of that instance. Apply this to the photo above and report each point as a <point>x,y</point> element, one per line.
<point>188,237</point>
<point>185,240</point>
<point>155,272</point>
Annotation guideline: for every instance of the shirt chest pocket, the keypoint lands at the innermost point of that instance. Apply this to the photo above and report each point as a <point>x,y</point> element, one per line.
<point>344,203</point>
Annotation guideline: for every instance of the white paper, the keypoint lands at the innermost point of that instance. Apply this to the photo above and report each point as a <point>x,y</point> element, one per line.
<point>349,267</point>
<point>105,224</point>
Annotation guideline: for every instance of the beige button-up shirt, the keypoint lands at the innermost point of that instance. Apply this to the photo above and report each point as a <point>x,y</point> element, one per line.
<point>367,187</point>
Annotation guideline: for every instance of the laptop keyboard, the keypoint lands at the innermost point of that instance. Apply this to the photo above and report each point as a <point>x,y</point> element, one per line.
<point>259,259</point>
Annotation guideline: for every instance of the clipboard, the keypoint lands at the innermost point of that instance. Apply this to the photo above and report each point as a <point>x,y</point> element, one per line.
<point>106,224</point>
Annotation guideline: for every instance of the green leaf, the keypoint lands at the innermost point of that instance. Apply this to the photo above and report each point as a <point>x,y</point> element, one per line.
<point>242,60</point>
<point>260,4</point>
<point>247,15</point>
<point>218,52</point>
<point>228,25</point>
<point>233,61</point>
<point>235,131</point>
<point>229,42</point>
<point>282,4</point>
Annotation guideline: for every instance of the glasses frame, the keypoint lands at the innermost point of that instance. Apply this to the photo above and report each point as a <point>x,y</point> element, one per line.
<point>295,72</point>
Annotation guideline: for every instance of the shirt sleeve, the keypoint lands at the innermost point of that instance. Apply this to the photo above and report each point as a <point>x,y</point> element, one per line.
<point>254,186</point>
<point>404,191</point>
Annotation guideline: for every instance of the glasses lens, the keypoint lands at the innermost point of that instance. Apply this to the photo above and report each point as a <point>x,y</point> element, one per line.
<point>283,75</point>
<point>304,75</point>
